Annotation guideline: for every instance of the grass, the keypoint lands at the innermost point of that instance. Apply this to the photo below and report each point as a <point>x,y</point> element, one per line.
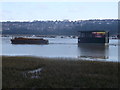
<point>59,73</point>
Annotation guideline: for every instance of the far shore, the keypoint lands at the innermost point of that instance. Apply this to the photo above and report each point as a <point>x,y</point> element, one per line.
<point>34,72</point>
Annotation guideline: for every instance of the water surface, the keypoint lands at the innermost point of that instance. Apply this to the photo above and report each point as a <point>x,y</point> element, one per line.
<point>62,47</point>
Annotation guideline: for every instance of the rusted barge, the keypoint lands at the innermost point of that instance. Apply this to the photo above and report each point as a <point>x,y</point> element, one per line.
<point>21,40</point>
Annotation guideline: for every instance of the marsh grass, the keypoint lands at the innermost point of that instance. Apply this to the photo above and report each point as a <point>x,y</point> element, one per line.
<point>59,73</point>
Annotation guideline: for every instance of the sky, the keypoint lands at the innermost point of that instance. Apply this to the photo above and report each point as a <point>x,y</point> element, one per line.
<point>29,11</point>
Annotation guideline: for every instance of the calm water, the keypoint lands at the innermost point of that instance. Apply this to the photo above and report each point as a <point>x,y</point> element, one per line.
<point>63,47</point>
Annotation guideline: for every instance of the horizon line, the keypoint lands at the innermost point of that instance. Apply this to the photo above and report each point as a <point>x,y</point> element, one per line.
<point>53,20</point>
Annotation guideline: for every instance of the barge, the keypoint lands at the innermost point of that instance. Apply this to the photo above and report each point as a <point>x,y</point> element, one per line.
<point>96,37</point>
<point>21,40</point>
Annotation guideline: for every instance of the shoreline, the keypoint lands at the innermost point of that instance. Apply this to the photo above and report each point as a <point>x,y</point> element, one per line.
<point>64,58</point>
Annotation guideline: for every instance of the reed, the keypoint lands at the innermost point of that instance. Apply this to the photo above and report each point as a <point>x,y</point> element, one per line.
<point>59,73</point>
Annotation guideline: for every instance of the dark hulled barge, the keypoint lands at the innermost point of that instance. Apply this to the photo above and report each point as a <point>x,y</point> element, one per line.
<point>21,40</point>
<point>96,37</point>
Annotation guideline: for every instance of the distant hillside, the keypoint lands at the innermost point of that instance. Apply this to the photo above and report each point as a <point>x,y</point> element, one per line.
<point>59,27</point>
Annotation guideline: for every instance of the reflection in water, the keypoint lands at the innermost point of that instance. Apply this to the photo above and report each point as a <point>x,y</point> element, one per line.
<point>63,48</point>
<point>96,51</point>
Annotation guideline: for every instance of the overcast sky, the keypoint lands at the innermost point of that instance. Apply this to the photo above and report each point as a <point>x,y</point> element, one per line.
<point>29,11</point>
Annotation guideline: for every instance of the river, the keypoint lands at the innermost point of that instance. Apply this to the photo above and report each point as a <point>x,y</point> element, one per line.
<point>63,48</point>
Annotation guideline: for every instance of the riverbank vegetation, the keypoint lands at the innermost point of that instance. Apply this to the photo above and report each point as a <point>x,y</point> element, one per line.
<point>58,73</point>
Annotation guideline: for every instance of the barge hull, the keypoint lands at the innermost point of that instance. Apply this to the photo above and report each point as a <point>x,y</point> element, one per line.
<point>92,40</point>
<point>14,41</point>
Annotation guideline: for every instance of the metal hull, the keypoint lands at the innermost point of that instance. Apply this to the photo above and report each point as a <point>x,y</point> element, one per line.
<point>92,40</point>
<point>22,41</point>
